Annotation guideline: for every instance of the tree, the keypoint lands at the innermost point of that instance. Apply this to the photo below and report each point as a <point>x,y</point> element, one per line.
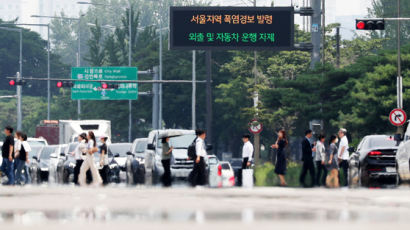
<point>96,52</point>
<point>34,54</point>
<point>388,9</point>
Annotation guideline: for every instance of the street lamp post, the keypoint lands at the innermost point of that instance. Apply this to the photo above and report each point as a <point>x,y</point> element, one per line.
<point>78,55</point>
<point>19,75</point>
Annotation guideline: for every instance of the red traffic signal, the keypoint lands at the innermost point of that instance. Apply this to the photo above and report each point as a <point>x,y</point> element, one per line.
<point>67,84</point>
<point>109,86</point>
<point>360,25</point>
<point>16,82</point>
<point>370,24</point>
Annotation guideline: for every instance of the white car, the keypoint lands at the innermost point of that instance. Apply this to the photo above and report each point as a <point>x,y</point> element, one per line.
<point>37,141</point>
<point>227,174</point>
<point>403,155</point>
<point>181,166</point>
<point>59,152</point>
<point>212,164</point>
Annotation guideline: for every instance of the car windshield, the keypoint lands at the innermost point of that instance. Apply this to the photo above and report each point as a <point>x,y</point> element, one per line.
<point>47,151</point>
<point>236,162</point>
<point>121,149</point>
<point>72,147</point>
<point>381,142</point>
<point>37,143</point>
<point>213,160</point>
<point>34,151</point>
<point>225,166</point>
<point>140,147</point>
<point>180,142</point>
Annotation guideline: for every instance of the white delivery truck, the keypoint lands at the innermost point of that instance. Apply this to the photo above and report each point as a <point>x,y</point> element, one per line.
<point>67,131</point>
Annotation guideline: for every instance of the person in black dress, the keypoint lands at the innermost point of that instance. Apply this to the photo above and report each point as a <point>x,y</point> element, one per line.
<point>280,167</point>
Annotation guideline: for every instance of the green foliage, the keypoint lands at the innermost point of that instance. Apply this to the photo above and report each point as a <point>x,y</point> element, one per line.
<point>34,55</point>
<point>96,52</point>
<point>265,175</point>
<point>388,9</point>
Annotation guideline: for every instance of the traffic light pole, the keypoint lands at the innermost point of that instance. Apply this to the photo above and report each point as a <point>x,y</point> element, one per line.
<point>18,76</point>
<point>399,77</point>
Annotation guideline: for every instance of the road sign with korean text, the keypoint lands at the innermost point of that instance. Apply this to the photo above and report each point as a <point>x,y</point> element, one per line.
<point>94,91</point>
<point>251,28</point>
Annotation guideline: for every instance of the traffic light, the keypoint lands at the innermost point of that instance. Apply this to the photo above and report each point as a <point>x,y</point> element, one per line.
<point>369,24</point>
<point>63,84</point>
<point>109,86</point>
<point>16,82</point>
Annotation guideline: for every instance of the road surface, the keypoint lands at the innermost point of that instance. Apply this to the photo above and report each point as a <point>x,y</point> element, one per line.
<point>73,208</point>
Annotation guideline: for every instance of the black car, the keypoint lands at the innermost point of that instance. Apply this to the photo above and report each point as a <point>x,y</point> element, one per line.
<point>66,164</point>
<point>135,164</point>
<point>39,169</point>
<point>374,161</point>
<point>33,165</point>
<point>66,169</point>
<point>236,164</point>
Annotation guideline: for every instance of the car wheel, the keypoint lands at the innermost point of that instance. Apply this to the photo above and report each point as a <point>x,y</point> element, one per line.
<point>155,177</point>
<point>130,176</point>
<point>353,177</point>
<point>140,176</point>
<point>398,181</point>
<point>66,176</point>
<point>364,177</point>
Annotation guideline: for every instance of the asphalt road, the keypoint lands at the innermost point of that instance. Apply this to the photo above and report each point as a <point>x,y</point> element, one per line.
<point>202,208</point>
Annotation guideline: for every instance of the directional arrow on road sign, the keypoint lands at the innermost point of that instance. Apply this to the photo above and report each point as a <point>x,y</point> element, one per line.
<point>398,117</point>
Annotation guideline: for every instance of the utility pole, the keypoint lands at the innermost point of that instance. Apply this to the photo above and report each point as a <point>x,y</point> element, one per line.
<point>209,95</point>
<point>399,77</point>
<point>338,46</point>
<point>255,104</point>
<point>315,32</point>
<point>160,74</point>
<point>19,116</point>
<point>323,32</point>
<point>129,65</point>
<point>19,87</point>
<point>48,73</point>
<point>155,99</point>
<point>79,64</point>
<point>193,111</point>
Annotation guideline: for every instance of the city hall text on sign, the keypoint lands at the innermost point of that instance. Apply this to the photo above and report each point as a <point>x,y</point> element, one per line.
<point>251,28</point>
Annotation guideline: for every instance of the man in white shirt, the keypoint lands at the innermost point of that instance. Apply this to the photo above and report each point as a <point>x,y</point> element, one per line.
<point>343,154</point>
<point>247,154</point>
<point>198,172</point>
<point>247,151</point>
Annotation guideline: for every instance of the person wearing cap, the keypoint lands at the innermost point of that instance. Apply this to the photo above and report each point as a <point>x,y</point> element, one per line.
<point>79,155</point>
<point>343,154</point>
<point>104,160</point>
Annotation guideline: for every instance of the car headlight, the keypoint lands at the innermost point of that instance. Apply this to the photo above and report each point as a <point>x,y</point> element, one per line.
<point>141,160</point>
<point>112,166</point>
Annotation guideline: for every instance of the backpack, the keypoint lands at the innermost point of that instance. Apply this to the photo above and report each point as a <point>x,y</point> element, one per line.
<point>192,150</point>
